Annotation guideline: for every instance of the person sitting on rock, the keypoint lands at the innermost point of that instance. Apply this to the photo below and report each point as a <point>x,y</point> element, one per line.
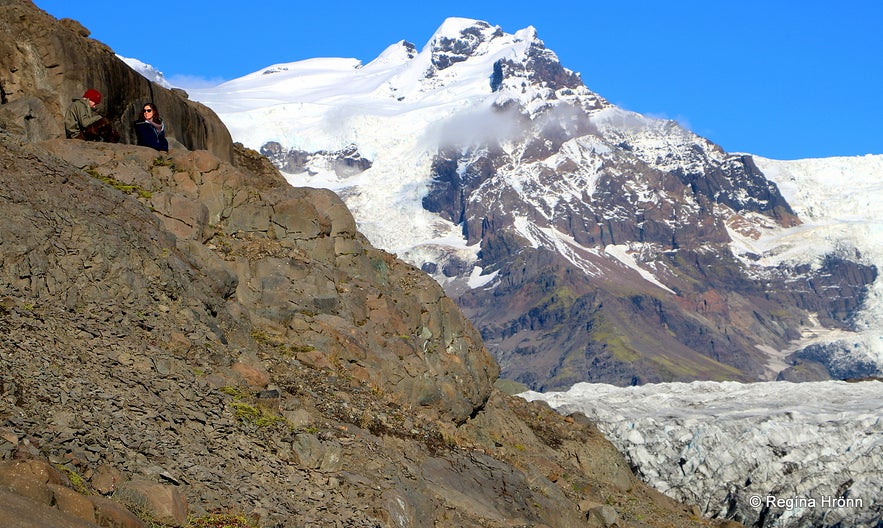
<point>151,129</point>
<point>82,121</point>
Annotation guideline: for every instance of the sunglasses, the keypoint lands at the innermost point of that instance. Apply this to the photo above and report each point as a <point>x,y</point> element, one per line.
<point>147,110</point>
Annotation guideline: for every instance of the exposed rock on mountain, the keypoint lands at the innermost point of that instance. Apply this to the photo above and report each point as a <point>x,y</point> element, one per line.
<point>586,243</point>
<point>182,335</point>
<point>344,162</point>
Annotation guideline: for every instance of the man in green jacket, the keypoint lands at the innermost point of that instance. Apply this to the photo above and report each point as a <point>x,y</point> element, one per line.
<point>82,121</point>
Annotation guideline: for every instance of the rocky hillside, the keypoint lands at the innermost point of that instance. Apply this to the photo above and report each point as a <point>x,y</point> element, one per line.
<point>184,335</point>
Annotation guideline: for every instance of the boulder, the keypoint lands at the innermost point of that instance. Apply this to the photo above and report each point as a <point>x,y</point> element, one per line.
<point>21,512</point>
<point>162,503</point>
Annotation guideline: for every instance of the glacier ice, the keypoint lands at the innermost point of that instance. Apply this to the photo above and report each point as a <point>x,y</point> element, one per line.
<point>778,453</point>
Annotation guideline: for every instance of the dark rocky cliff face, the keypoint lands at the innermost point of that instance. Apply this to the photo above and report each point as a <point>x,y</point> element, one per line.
<point>182,335</point>
<point>45,63</point>
<point>554,316</point>
<point>610,234</point>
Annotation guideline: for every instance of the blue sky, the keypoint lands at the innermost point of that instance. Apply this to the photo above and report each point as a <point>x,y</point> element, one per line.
<point>776,78</point>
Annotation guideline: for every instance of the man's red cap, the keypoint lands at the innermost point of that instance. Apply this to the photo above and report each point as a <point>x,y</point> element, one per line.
<point>93,95</point>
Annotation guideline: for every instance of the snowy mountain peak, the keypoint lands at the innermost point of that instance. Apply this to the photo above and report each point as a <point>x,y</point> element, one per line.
<point>149,72</point>
<point>399,53</point>
<point>518,67</point>
<point>468,31</point>
<point>463,30</point>
<point>459,40</point>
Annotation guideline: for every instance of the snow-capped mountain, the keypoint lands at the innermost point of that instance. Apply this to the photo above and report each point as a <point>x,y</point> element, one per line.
<point>147,71</point>
<point>398,110</point>
<point>592,243</point>
<point>586,242</point>
<point>772,454</point>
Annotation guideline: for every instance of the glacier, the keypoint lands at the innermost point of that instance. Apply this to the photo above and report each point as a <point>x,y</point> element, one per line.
<point>771,454</point>
<point>839,201</point>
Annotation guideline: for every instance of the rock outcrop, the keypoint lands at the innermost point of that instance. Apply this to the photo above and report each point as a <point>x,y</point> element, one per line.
<point>46,63</point>
<point>284,263</point>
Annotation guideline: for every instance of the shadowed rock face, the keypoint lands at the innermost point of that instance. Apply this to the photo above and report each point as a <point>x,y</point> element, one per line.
<point>46,63</point>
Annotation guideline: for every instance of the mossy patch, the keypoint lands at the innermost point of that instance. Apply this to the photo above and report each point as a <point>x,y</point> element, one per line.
<point>256,415</point>
<point>77,482</point>
<point>222,520</point>
<point>279,343</point>
<point>116,184</point>
<point>510,387</point>
<point>614,341</point>
<point>682,368</point>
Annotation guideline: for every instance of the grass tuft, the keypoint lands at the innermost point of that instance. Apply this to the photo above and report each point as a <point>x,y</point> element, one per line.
<point>222,520</point>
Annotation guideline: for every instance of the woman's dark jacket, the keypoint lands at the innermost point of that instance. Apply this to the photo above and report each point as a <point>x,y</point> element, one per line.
<point>149,136</point>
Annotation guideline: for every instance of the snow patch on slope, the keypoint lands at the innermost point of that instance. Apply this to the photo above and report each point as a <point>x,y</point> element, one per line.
<point>623,254</point>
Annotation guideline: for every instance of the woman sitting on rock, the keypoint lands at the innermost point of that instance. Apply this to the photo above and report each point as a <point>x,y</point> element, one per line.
<point>150,129</point>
